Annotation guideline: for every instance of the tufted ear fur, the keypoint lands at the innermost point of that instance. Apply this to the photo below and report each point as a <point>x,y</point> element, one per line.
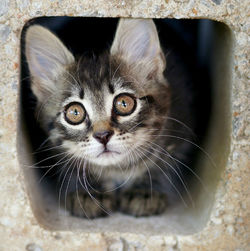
<point>47,59</point>
<point>136,42</point>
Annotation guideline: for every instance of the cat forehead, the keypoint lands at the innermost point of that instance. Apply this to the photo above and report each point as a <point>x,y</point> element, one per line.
<point>96,93</point>
<point>101,72</point>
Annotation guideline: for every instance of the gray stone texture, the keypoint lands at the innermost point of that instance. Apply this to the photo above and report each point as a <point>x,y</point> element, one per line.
<point>228,225</point>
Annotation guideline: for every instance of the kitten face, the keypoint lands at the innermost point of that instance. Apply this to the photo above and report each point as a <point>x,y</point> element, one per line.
<point>105,110</point>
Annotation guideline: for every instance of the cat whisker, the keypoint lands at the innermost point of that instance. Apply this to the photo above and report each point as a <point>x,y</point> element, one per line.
<point>111,190</point>
<point>122,184</point>
<point>149,143</point>
<point>166,129</point>
<point>183,164</point>
<point>83,168</point>
<point>67,186</point>
<point>89,176</point>
<point>133,127</point>
<point>192,143</point>
<point>112,79</point>
<point>64,178</point>
<point>128,178</point>
<point>84,186</point>
<point>173,169</point>
<point>26,78</point>
<point>164,152</point>
<point>48,166</point>
<point>181,123</point>
<point>47,149</point>
<point>36,165</point>
<point>77,193</point>
<point>148,171</point>
<point>42,145</point>
<point>168,178</point>
<point>51,167</point>
<point>99,175</point>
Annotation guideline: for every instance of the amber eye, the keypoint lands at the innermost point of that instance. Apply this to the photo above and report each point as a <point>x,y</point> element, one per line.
<point>74,113</point>
<point>124,104</point>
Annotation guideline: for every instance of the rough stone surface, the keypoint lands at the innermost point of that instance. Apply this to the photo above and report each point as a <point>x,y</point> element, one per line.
<point>4,32</point>
<point>4,5</point>
<point>228,226</point>
<point>217,1</point>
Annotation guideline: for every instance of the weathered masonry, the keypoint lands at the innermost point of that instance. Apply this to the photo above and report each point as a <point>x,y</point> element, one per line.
<point>221,219</point>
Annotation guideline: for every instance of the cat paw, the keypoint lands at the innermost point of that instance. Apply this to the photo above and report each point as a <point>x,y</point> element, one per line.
<point>83,205</point>
<point>142,203</point>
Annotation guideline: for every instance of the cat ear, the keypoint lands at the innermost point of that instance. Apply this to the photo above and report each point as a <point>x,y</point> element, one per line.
<point>137,43</point>
<point>47,58</point>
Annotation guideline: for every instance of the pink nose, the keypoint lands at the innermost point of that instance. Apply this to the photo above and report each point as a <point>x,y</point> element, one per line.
<point>103,137</point>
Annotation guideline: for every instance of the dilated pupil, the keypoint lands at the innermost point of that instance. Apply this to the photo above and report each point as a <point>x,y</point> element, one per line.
<point>124,103</point>
<point>76,112</point>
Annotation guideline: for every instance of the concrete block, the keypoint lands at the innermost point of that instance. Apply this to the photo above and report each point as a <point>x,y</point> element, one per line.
<point>226,224</point>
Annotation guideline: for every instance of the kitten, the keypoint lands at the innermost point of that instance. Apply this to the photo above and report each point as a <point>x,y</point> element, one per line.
<point>112,120</point>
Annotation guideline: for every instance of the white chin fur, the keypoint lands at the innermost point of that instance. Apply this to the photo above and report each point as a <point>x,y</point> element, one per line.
<point>108,159</point>
<point>98,157</point>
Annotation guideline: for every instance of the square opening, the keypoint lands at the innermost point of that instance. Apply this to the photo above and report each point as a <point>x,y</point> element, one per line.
<point>204,48</point>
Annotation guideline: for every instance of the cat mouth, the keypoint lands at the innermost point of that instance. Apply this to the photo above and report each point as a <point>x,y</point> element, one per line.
<point>107,152</point>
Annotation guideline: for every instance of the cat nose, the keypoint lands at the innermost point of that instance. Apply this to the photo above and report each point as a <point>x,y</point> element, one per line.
<point>103,137</point>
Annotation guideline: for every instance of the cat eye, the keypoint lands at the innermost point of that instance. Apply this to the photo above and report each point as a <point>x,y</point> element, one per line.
<point>124,104</point>
<point>74,113</point>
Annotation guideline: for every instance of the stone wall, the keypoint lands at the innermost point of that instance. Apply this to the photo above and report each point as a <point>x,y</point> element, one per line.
<point>228,226</point>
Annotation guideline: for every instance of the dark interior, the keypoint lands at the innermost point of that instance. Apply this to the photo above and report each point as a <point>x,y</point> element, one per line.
<point>191,40</point>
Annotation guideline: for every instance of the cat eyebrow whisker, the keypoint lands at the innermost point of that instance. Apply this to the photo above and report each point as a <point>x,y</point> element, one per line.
<point>138,85</point>
<point>49,98</point>
<point>117,68</point>
<point>72,76</point>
